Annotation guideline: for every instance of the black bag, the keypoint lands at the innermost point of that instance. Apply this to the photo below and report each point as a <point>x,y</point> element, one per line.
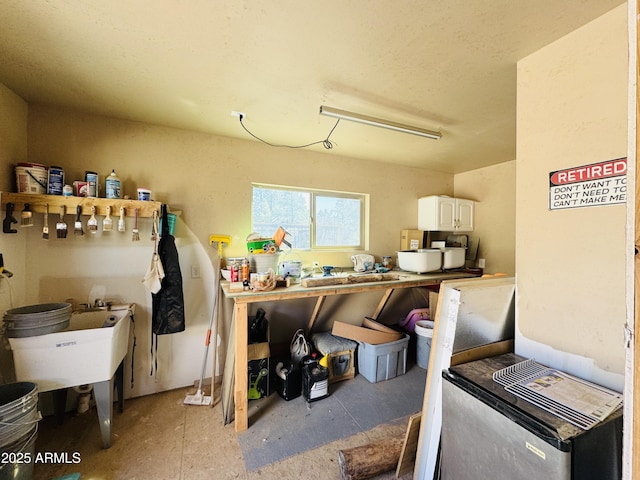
<point>258,327</point>
<point>168,303</point>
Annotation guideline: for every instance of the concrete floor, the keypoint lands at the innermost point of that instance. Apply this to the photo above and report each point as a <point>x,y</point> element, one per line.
<point>158,437</point>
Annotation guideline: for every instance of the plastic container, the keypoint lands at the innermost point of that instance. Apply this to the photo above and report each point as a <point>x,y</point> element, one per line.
<point>144,194</point>
<point>113,187</point>
<point>453,257</point>
<point>262,245</point>
<point>409,322</point>
<point>420,261</point>
<point>19,419</point>
<point>315,379</point>
<point>34,320</point>
<point>424,336</point>
<point>382,362</point>
<point>262,262</point>
<point>32,178</point>
<point>171,221</point>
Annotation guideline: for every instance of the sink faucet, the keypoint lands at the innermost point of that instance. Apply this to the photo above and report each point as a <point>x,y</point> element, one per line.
<point>98,303</point>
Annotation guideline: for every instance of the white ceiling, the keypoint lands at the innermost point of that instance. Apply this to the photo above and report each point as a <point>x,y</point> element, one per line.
<point>446,65</point>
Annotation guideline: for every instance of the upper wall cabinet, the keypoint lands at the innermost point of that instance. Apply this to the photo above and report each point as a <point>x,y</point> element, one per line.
<point>445,214</point>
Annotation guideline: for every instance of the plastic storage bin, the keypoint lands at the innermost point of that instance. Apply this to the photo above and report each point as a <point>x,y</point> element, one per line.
<point>382,362</point>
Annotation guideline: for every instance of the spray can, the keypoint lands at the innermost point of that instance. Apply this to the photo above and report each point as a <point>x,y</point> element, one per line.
<point>234,272</point>
<point>244,276</point>
<point>113,186</point>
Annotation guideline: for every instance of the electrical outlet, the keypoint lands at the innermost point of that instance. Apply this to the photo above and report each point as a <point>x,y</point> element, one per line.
<point>195,271</point>
<point>481,263</point>
<point>238,114</point>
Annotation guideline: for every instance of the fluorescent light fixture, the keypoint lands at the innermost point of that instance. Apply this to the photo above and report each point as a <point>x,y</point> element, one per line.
<point>377,122</point>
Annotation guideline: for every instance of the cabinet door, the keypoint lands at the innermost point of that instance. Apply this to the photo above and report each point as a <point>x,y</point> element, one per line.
<point>464,215</point>
<point>446,214</point>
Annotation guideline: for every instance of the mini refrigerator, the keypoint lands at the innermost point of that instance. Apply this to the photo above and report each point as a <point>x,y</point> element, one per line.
<point>488,432</point>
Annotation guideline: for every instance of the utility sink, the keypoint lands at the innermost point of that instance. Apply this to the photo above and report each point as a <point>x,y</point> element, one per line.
<point>90,350</point>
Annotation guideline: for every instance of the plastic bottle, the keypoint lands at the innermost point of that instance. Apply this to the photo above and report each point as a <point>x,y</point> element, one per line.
<point>315,378</point>
<point>113,186</point>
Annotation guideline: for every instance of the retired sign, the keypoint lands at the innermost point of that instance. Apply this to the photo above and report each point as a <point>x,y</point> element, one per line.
<point>603,183</point>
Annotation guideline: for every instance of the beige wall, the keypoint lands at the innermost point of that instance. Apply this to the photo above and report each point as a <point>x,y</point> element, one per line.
<point>13,148</point>
<point>572,111</point>
<point>207,178</point>
<point>494,190</point>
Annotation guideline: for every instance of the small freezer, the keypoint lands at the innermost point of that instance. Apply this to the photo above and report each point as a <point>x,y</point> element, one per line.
<point>488,432</point>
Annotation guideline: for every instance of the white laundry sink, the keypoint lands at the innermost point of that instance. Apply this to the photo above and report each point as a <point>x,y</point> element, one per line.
<point>89,350</point>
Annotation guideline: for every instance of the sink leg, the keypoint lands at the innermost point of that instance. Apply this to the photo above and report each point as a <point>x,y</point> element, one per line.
<point>103,392</point>
<point>59,404</point>
<point>120,386</point>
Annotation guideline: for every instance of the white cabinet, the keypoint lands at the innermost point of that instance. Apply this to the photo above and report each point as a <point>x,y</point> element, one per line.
<point>445,214</point>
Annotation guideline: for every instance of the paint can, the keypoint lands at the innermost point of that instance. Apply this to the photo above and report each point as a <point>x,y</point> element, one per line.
<point>144,194</point>
<point>92,183</point>
<point>113,186</point>
<point>31,178</point>
<point>56,181</point>
<point>80,189</point>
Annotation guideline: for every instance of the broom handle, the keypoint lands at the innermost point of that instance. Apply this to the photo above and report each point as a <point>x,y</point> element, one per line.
<point>216,284</point>
<point>206,348</point>
<point>208,338</point>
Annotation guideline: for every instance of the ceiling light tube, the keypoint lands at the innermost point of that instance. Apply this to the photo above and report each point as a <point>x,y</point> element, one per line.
<point>376,122</point>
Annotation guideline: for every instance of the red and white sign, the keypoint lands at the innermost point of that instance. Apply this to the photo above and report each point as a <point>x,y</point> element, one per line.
<point>603,183</point>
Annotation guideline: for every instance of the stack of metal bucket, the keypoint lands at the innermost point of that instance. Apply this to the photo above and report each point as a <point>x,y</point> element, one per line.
<point>35,320</point>
<point>19,417</point>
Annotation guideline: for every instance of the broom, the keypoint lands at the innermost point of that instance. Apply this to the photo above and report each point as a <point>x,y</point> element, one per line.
<point>199,398</point>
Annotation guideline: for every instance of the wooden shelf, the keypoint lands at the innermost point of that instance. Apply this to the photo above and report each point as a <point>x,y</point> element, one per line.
<point>37,204</point>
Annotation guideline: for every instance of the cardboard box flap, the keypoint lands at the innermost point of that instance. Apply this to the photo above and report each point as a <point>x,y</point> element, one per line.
<point>371,323</point>
<point>257,351</point>
<point>364,334</point>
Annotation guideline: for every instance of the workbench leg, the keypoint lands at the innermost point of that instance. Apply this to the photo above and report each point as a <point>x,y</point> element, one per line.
<point>381,304</point>
<point>314,315</point>
<point>241,379</point>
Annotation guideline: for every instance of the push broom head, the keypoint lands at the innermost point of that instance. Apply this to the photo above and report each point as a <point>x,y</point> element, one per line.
<point>197,399</point>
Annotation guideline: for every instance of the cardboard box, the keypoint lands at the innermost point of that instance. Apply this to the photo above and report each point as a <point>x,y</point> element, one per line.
<point>411,239</point>
<point>259,371</point>
<point>369,331</point>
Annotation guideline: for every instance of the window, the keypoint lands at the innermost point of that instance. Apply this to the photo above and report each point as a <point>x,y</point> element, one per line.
<point>316,219</point>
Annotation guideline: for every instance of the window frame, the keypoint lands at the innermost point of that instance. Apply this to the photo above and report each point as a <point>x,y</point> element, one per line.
<point>363,199</point>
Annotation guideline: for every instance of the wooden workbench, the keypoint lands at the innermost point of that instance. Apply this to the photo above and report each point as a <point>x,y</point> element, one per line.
<point>239,333</point>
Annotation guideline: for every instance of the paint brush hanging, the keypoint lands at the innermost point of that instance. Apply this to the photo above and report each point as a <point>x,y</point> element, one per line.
<point>26,217</point>
<point>61,226</point>
<point>92,224</point>
<point>45,223</point>
<point>78,225</point>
